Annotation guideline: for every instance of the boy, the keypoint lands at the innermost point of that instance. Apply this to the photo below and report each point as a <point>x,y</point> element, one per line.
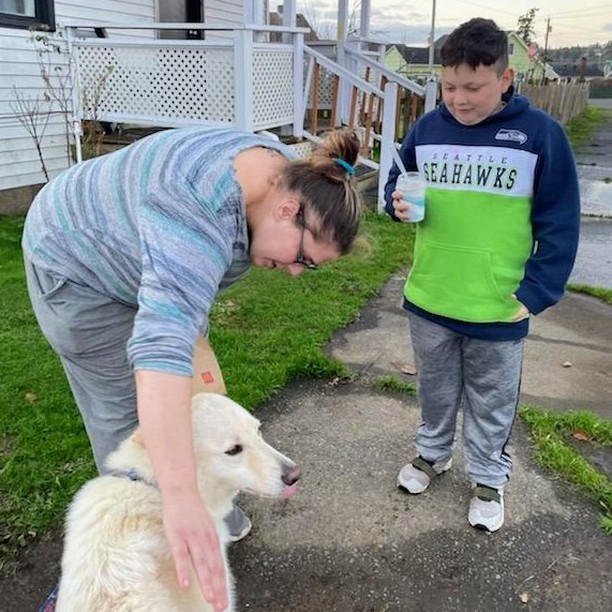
<point>497,244</point>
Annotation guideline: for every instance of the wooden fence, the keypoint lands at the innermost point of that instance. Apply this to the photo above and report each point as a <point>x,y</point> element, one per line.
<point>561,100</point>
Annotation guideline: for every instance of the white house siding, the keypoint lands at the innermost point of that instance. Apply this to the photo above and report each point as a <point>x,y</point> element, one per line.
<point>19,162</point>
<point>217,12</point>
<point>224,11</point>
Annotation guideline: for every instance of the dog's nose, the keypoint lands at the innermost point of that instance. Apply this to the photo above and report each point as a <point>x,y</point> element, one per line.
<point>290,475</point>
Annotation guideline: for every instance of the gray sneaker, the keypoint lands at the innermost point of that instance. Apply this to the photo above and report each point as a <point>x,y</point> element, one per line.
<point>238,524</point>
<point>415,477</point>
<point>486,508</point>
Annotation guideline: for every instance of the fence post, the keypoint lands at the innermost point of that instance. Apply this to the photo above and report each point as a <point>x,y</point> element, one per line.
<point>563,111</point>
<point>431,93</point>
<point>299,95</point>
<point>289,18</point>
<point>387,141</point>
<point>344,88</point>
<point>77,113</point>
<point>243,80</point>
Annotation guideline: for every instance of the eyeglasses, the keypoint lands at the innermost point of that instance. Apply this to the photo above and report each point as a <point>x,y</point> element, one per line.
<point>300,259</point>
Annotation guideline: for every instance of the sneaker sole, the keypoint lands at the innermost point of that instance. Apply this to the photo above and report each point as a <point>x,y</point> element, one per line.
<point>483,527</point>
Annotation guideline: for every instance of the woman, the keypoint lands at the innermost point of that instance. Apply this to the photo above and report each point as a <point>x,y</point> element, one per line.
<point>125,255</point>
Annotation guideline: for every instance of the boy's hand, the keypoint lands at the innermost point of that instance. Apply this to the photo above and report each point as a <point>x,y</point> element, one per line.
<point>400,207</point>
<point>522,313</point>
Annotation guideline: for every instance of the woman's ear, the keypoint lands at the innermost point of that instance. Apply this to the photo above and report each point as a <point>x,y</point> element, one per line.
<point>288,208</point>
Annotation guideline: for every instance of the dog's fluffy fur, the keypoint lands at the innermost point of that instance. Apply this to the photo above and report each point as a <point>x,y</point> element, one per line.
<point>116,558</point>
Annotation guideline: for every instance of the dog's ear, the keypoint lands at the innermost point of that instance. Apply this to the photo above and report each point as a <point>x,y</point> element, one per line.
<point>137,437</point>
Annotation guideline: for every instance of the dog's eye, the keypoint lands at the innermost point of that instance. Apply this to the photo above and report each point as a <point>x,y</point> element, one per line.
<point>235,450</point>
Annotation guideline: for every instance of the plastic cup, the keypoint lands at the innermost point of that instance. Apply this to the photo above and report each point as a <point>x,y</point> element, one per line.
<point>412,187</point>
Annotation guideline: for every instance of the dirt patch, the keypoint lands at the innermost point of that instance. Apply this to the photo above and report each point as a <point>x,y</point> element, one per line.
<point>25,583</point>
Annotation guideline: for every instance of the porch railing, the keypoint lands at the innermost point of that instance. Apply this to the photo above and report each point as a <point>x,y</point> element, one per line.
<point>235,78</point>
<point>237,81</point>
<point>367,96</point>
<point>371,112</point>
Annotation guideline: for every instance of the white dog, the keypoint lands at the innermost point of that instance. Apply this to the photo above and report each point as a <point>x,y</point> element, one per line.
<point>116,558</point>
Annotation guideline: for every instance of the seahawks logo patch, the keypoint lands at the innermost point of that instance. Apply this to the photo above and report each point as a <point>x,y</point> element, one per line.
<point>511,135</point>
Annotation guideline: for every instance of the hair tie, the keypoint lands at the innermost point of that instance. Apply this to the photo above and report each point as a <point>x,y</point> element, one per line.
<point>349,169</point>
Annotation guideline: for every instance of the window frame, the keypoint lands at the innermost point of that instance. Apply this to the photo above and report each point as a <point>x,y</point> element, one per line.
<point>44,19</point>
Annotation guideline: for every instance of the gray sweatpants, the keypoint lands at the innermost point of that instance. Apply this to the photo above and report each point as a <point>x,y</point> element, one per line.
<point>483,376</point>
<point>89,331</point>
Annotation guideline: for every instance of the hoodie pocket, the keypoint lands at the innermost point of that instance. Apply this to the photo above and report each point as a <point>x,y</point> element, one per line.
<point>458,282</point>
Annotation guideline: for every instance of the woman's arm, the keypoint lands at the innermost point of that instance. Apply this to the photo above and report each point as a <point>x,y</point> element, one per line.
<point>164,413</point>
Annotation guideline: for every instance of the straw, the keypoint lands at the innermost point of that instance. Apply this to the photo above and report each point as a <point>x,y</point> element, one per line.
<point>398,160</point>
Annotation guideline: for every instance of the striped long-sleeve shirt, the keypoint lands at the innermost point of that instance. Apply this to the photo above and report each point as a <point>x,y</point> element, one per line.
<point>159,225</point>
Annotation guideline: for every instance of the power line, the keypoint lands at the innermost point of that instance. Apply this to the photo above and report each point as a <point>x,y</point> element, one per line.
<point>585,10</point>
<point>488,7</point>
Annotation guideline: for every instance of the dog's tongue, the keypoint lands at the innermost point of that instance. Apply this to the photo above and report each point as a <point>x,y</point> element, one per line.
<point>290,491</point>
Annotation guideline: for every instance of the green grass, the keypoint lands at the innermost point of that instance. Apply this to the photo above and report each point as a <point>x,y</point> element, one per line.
<point>395,384</point>
<point>605,295</point>
<point>551,433</point>
<point>580,128</point>
<point>268,329</point>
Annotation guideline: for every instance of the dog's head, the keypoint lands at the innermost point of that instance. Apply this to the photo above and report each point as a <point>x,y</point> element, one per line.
<point>231,454</point>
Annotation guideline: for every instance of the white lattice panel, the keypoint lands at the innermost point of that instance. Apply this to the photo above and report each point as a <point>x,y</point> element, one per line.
<point>147,82</point>
<point>303,149</point>
<point>326,88</point>
<point>273,85</point>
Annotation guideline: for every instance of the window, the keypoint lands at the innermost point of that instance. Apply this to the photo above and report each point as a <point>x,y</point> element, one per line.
<point>511,49</point>
<point>27,14</point>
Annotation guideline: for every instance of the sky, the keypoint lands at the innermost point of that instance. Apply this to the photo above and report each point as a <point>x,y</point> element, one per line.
<point>585,22</point>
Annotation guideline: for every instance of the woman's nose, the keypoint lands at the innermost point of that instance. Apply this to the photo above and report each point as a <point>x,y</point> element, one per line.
<point>295,269</point>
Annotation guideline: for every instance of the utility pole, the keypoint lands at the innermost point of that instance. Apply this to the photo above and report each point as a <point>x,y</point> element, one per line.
<point>548,30</point>
<point>431,36</point>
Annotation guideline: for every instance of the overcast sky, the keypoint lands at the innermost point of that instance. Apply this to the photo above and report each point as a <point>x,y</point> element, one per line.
<point>572,22</point>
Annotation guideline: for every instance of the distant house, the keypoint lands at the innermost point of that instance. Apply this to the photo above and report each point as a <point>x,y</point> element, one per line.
<point>577,70</point>
<point>276,19</point>
<point>414,61</point>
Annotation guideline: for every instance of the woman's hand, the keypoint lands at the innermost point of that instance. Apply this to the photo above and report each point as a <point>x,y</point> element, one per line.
<point>193,540</point>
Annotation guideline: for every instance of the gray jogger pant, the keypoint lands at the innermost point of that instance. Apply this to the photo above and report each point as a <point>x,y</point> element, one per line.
<point>89,332</point>
<point>484,376</point>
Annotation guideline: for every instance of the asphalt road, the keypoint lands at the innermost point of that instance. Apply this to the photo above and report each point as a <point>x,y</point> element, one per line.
<point>594,159</point>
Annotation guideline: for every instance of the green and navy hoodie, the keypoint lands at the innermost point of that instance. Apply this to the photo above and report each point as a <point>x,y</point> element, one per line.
<point>502,218</point>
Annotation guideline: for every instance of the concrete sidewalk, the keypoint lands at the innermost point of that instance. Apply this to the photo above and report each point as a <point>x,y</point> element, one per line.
<point>350,541</point>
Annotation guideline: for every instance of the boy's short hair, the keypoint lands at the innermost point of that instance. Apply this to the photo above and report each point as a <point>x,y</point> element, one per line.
<point>475,42</point>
